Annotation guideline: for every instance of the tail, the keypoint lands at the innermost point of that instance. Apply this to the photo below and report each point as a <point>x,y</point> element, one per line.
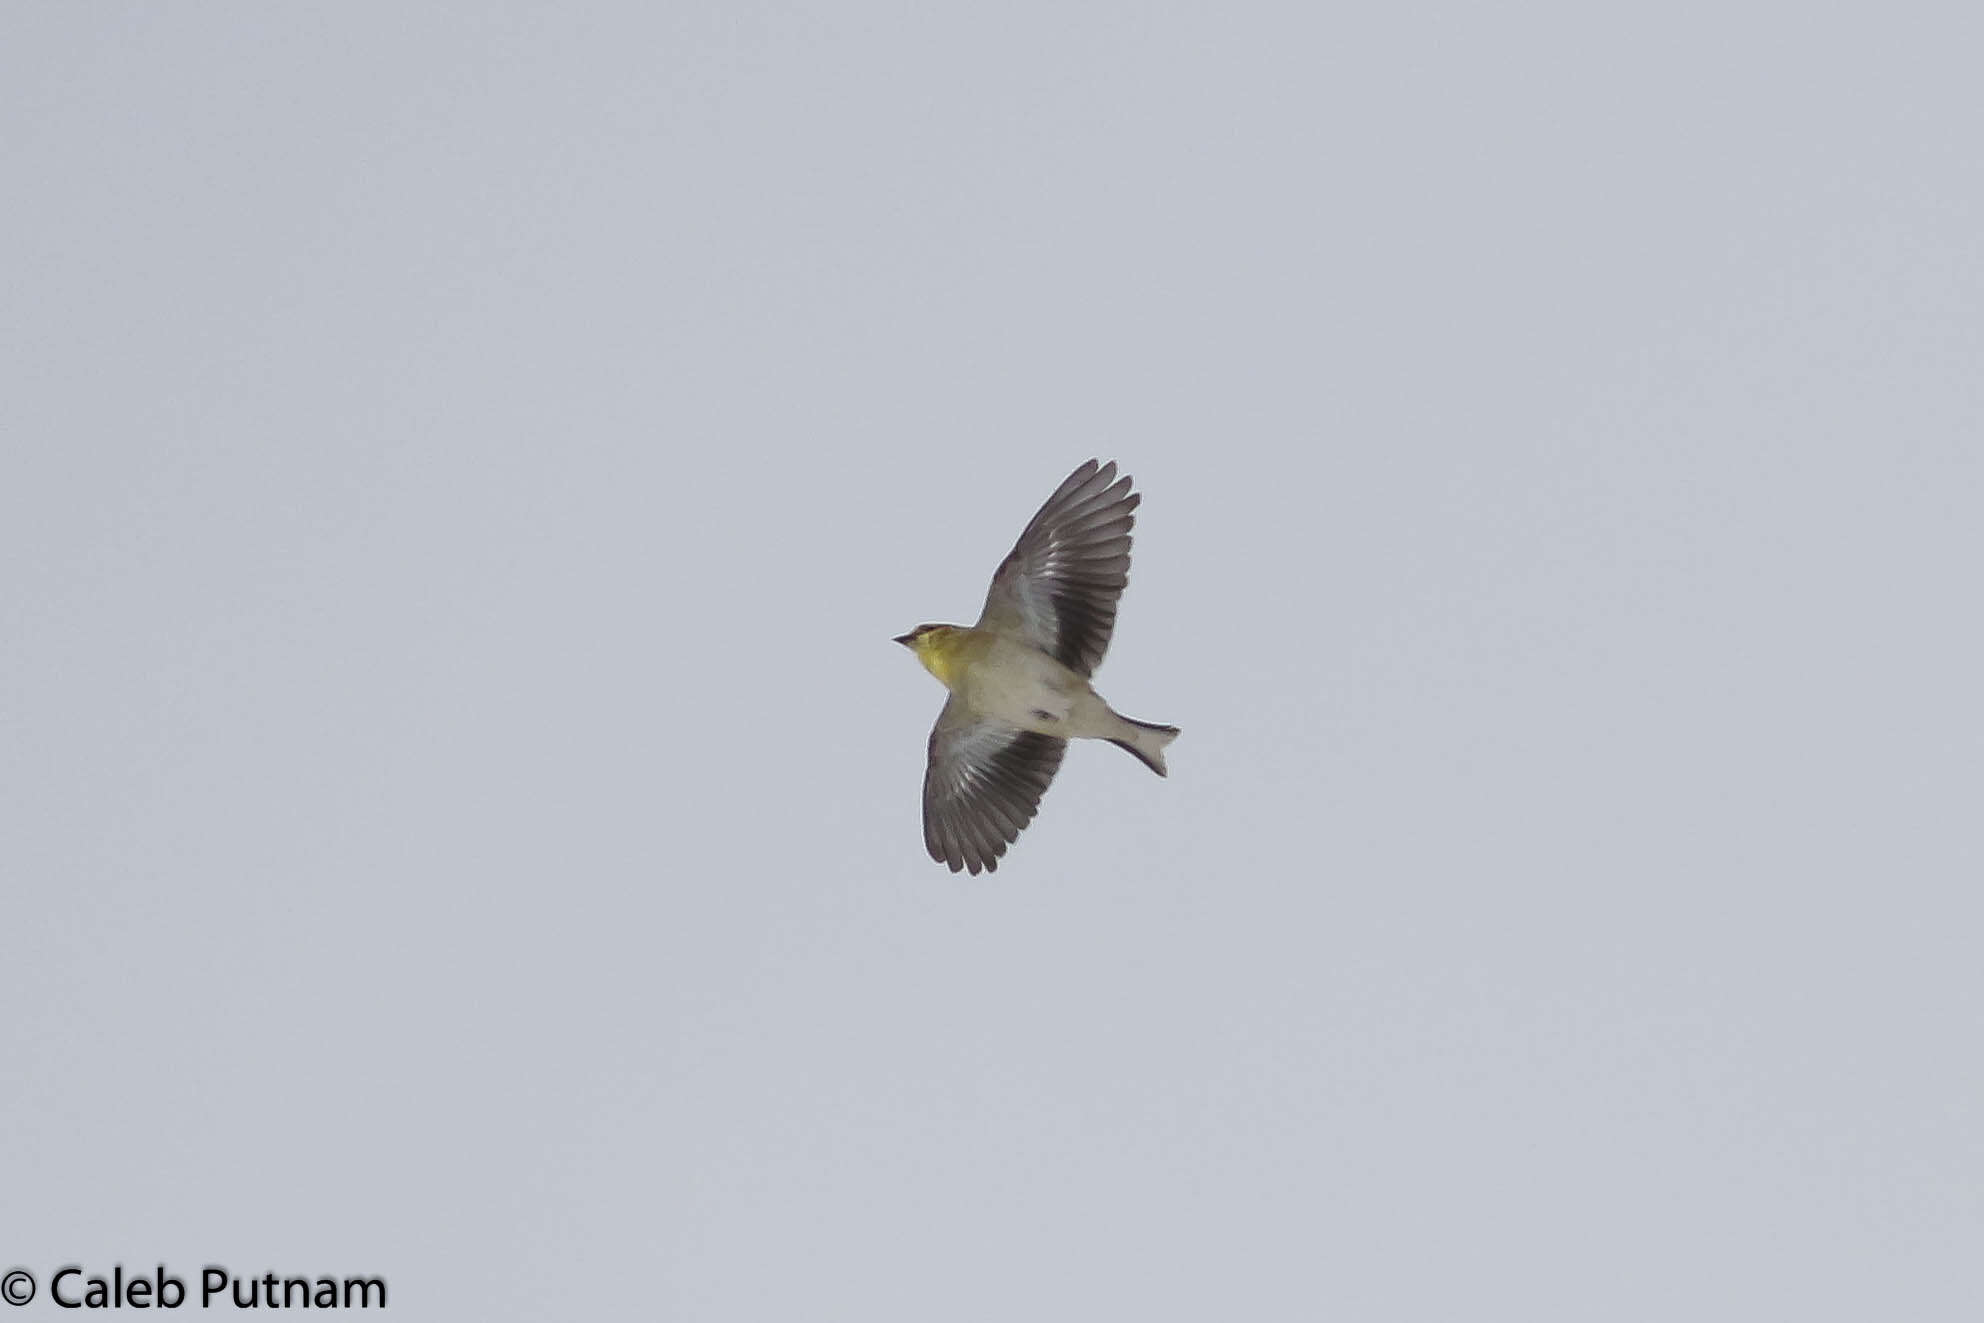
<point>1146,741</point>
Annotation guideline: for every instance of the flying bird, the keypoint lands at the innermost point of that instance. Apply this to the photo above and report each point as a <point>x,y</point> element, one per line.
<point>1019,678</point>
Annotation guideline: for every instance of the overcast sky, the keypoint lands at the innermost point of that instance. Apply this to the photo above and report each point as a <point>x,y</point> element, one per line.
<point>463,466</point>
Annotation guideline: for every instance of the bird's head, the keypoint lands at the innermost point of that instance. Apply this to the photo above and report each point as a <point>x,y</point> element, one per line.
<point>932,645</point>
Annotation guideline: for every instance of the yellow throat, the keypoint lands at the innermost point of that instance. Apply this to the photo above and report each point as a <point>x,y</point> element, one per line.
<point>944,653</point>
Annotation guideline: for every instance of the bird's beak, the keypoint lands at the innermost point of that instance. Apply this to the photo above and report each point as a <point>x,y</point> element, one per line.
<point>904,639</point>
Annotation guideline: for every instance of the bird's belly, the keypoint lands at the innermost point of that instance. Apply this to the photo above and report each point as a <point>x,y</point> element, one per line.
<point>1026,688</point>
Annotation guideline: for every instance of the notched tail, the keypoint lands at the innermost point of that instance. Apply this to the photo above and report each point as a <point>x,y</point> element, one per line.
<point>1147,741</point>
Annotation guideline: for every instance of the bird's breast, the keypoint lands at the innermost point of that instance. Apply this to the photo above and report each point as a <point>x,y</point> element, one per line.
<point>1021,686</point>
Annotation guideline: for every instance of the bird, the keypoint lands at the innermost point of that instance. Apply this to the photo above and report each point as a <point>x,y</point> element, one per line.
<point>1019,678</point>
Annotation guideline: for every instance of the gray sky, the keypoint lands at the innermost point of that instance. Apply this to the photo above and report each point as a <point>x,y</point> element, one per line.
<point>459,802</point>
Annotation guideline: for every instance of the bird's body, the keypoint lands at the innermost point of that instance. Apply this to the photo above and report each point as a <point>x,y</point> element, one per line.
<point>1011,681</point>
<point>1018,679</point>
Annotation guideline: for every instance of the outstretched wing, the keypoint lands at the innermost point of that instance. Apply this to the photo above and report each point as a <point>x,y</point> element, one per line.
<point>1058,587</point>
<point>982,787</point>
